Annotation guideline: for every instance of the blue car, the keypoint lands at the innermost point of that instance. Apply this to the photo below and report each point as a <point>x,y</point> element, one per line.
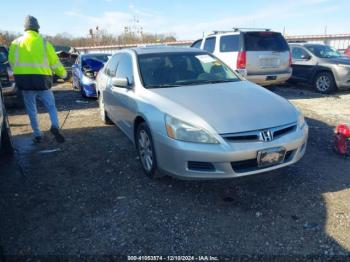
<point>84,72</point>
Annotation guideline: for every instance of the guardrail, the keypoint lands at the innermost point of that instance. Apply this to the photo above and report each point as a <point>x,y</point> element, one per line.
<point>339,41</point>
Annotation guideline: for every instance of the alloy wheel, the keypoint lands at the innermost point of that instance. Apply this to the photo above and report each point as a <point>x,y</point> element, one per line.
<point>145,150</point>
<point>323,83</point>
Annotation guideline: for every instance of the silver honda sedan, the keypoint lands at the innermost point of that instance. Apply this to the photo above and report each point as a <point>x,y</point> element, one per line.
<point>192,117</point>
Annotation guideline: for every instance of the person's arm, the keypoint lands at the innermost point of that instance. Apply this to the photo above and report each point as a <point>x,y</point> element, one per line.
<point>11,57</point>
<point>54,61</point>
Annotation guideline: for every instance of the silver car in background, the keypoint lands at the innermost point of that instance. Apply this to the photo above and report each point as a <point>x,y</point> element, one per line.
<point>192,117</point>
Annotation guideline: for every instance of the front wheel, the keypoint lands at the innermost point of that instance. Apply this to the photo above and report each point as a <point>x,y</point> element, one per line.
<point>324,83</point>
<point>146,152</point>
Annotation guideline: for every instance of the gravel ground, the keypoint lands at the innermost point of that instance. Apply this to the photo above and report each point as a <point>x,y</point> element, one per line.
<point>89,196</point>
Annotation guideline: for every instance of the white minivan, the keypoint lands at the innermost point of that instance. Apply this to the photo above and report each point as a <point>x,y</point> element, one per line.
<point>261,56</point>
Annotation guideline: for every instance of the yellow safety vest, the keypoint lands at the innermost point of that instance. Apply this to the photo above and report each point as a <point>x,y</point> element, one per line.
<point>31,54</point>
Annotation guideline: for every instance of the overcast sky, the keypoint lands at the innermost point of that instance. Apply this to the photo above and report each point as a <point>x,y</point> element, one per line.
<point>185,19</point>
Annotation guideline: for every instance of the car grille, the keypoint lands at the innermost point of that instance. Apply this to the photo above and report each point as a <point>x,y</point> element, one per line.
<point>253,136</point>
<point>252,164</point>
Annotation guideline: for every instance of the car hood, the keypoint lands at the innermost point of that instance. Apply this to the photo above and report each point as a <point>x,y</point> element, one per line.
<point>228,107</point>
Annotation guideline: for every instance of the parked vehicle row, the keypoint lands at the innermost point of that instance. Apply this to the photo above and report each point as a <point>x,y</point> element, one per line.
<point>191,116</point>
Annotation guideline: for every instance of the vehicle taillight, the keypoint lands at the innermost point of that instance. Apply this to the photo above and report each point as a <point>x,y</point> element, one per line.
<point>242,60</point>
<point>290,58</point>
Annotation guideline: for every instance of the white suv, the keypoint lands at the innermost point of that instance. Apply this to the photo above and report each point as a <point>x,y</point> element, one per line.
<point>261,56</point>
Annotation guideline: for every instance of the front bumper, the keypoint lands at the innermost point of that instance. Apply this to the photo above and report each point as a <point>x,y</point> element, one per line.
<point>89,89</point>
<point>173,156</point>
<point>269,79</point>
<point>10,89</point>
<point>342,77</point>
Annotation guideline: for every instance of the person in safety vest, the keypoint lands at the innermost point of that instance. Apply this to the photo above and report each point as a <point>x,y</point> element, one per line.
<point>33,61</point>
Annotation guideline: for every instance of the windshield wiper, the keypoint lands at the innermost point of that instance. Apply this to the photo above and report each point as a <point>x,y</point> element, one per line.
<point>204,82</point>
<point>161,86</point>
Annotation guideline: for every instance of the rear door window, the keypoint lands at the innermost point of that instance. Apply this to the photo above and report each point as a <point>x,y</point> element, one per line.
<point>229,43</point>
<point>125,68</point>
<point>197,44</point>
<point>265,41</point>
<point>209,44</point>
<point>299,53</point>
<point>111,68</point>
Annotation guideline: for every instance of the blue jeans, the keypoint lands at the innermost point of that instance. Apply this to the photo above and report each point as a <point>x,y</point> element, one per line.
<point>47,98</point>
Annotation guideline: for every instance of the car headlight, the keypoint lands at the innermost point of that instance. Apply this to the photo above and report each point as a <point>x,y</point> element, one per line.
<point>301,121</point>
<point>183,131</point>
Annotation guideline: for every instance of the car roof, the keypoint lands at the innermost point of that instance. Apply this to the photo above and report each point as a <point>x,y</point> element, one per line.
<point>165,49</point>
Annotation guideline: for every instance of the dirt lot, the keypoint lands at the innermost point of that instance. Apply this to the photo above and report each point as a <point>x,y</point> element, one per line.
<point>91,197</point>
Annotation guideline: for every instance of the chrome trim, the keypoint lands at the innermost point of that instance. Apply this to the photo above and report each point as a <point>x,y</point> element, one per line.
<point>264,135</point>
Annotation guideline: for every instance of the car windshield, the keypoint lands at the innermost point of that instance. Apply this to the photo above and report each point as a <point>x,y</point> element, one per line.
<point>179,69</point>
<point>323,51</point>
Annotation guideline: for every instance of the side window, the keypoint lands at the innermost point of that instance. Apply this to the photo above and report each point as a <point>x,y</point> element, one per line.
<point>299,53</point>
<point>111,68</point>
<point>209,44</point>
<point>125,68</point>
<point>229,43</point>
<point>197,44</point>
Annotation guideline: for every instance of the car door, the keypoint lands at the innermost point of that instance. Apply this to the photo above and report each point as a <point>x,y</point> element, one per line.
<point>106,88</point>
<point>123,103</point>
<point>303,63</point>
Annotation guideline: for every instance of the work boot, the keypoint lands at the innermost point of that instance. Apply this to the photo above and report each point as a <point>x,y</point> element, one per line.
<point>56,132</point>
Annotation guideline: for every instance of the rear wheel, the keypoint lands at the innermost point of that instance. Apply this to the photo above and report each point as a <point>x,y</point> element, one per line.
<point>103,113</point>
<point>146,152</point>
<point>324,83</point>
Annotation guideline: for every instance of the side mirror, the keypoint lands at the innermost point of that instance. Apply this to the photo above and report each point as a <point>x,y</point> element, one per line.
<point>122,82</point>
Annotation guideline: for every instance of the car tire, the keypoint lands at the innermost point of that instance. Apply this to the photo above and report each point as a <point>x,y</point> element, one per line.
<point>145,149</point>
<point>6,141</point>
<point>324,83</point>
<point>103,113</point>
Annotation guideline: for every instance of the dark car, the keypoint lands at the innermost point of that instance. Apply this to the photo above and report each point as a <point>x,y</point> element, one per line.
<point>12,95</point>
<point>67,59</point>
<point>321,66</point>
<point>84,72</point>
<point>5,134</point>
